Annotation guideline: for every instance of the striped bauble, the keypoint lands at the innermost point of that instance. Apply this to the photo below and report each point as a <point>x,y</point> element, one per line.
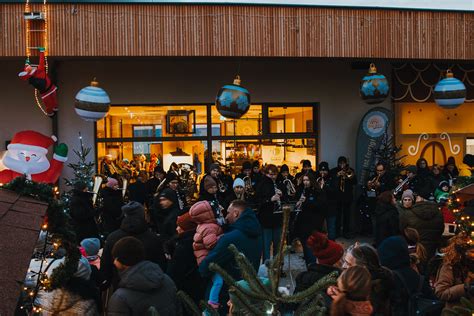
<point>374,87</point>
<point>232,100</point>
<point>450,92</point>
<point>92,103</point>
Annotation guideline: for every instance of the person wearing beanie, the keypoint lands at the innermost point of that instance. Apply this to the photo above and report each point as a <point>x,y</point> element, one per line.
<point>306,167</point>
<point>324,182</point>
<point>246,170</point>
<point>221,181</point>
<point>256,174</point>
<point>386,217</point>
<point>408,199</point>
<point>112,202</point>
<point>442,192</point>
<point>182,267</point>
<point>90,248</point>
<point>343,181</point>
<point>78,296</point>
<point>325,250</point>
<point>137,190</point>
<point>153,184</point>
<point>172,182</point>
<point>133,224</point>
<point>210,194</point>
<point>142,283</point>
<point>208,232</point>
<point>393,254</point>
<point>450,170</point>
<point>165,212</point>
<point>466,168</point>
<point>285,174</point>
<point>83,213</point>
<point>421,183</point>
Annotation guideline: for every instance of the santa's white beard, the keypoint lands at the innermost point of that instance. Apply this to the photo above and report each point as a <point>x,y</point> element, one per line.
<point>26,167</point>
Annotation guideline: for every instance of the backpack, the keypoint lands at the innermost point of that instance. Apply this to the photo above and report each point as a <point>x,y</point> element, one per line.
<point>418,305</point>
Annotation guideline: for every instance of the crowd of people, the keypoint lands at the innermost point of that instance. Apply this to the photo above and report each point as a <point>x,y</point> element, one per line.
<point>156,241</point>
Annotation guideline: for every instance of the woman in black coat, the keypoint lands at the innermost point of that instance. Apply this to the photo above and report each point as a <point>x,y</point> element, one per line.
<point>386,217</point>
<point>312,204</point>
<point>112,202</point>
<point>83,213</point>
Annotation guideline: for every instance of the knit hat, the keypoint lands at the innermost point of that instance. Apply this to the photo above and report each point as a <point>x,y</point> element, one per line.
<point>408,193</point>
<point>168,194</point>
<point>284,168</point>
<point>111,182</point>
<point>306,163</point>
<point>186,222</point>
<point>133,208</point>
<point>209,182</point>
<point>83,269</point>
<point>255,164</point>
<point>341,159</point>
<point>214,166</point>
<point>129,251</point>
<point>326,251</point>
<point>443,184</point>
<point>238,182</point>
<point>323,166</point>
<point>91,247</point>
<point>246,165</point>
<point>393,253</point>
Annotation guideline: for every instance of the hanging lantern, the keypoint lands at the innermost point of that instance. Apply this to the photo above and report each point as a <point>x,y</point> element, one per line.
<point>233,101</point>
<point>92,103</point>
<point>374,87</point>
<point>450,92</point>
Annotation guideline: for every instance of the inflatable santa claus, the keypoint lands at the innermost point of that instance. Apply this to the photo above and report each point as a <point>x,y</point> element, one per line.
<point>26,155</point>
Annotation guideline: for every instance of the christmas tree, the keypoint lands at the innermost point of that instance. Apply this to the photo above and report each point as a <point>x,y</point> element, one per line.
<point>258,298</point>
<point>388,154</point>
<point>83,170</point>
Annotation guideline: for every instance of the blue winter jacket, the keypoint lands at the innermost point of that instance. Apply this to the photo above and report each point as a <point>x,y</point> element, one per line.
<point>245,234</point>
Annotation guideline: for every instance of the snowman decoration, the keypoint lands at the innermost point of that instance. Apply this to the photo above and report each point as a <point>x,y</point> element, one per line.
<point>26,155</point>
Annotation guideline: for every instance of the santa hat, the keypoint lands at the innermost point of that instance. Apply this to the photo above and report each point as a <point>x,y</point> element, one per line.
<point>31,140</point>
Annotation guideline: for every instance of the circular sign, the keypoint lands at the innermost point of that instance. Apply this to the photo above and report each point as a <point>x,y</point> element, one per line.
<point>375,124</point>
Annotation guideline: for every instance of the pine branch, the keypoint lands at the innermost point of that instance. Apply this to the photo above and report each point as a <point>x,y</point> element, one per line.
<point>320,285</point>
<point>188,303</point>
<point>243,303</point>
<point>278,262</point>
<point>313,307</point>
<point>208,308</point>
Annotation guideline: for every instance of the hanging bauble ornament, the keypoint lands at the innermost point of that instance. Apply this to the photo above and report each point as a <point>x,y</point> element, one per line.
<point>92,103</point>
<point>374,87</point>
<point>449,93</point>
<point>233,101</point>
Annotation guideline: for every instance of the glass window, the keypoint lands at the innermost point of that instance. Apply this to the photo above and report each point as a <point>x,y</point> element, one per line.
<point>290,119</point>
<point>248,125</point>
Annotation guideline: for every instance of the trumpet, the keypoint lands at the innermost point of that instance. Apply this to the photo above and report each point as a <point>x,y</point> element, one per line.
<point>248,189</point>
<point>372,184</point>
<point>290,187</point>
<point>344,174</point>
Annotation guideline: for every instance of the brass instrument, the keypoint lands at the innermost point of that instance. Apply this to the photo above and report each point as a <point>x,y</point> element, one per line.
<point>290,187</point>
<point>300,202</point>
<point>345,173</point>
<point>221,186</point>
<point>321,182</point>
<point>372,184</point>
<point>248,188</point>
<point>278,203</point>
<point>160,186</point>
<point>399,188</point>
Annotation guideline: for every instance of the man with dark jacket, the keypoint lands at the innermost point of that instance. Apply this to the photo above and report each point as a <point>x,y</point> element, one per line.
<point>133,224</point>
<point>165,212</point>
<point>137,190</point>
<point>83,213</point>
<point>142,283</point>
<point>244,232</point>
<point>428,220</point>
<point>112,203</point>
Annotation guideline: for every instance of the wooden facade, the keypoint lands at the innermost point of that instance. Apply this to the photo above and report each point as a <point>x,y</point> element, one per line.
<point>257,31</point>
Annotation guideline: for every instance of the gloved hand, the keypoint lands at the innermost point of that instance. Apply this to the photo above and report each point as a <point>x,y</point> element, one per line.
<point>61,150</point>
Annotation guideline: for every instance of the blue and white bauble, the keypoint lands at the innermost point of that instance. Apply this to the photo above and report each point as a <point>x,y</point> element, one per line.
<point>92,103</point>
<point>233,101</point>
<point>450,92</point>
<point>374,87</point>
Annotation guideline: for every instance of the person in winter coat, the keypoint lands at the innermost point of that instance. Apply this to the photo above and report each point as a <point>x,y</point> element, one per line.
<point>142,283</point>
<point>351,295</point>
<point>137,190</point>
<point>133,224</point>
<point>83,213</point>
<point>79,296</point>
<point>238,192</point>
<point>208,232</point>
<point>312,203</point>
<point>436,176</point>
<point>417,251</point>
<point>426,218</point>
<point>270,195</point>
<point>382,279</point>
<point>455,278</point>
<point>386,217</point>
<point>165,214</point>
<point>244,231</point>
<point>90,248</point>
<point>393,254</point>
<point>182,267</point>
<point>209,194</point>
<point>442,192</point>
<point>422,181</point>
<point>467,166</point>
<point>159,175</point>
<point>450,171</point>
<point>172,182</point>
<point>112,203</point>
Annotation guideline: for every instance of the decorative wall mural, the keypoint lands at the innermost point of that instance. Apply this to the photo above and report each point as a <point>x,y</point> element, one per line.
<point>412,150</point>
<point>454,149</point>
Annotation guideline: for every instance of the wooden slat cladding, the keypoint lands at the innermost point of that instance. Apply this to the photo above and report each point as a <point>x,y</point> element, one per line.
<point>261,31</point>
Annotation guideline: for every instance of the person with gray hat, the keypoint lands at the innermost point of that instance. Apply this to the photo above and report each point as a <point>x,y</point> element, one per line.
<point>133,224</point>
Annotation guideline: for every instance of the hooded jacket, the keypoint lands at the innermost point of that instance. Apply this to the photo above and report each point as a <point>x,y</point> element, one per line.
<point>136,226</point>
<point>246,235</point>
<point>393,254</point>
<point>266,215</point>
<point>428,221</point>
<point>142,286</point>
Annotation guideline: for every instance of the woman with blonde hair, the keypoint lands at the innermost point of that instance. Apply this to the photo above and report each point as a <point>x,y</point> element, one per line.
<point>351,296</point>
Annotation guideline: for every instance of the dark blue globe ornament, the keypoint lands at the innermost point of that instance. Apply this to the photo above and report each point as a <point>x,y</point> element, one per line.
<point>449,93</point>
<point>374,87</point>
<point>233,101</point>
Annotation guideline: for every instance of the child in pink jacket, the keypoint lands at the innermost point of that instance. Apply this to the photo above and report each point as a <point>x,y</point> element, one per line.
<point>208,232</point>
